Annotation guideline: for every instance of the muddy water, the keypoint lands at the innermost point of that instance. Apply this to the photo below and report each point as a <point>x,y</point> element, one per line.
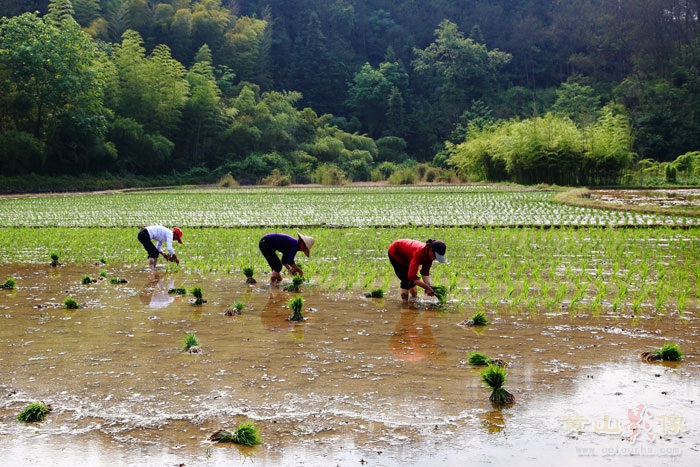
<point>360,382</point>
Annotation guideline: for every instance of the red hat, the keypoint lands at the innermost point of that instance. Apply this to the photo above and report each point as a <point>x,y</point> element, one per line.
<point>177,234</point>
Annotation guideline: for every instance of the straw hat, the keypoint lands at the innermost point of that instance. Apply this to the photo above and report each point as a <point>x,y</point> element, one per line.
<point>308,241</point>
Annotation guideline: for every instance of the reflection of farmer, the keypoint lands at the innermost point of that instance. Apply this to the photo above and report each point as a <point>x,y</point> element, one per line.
<point>270,244</point>
<point>407,256</point>
<point>412,340</point>
<point>161,235</point>
<point>274,315</point>
<point>156,293</point>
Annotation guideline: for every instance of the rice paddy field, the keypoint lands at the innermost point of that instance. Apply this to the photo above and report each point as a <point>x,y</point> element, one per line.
<point>573,295</point>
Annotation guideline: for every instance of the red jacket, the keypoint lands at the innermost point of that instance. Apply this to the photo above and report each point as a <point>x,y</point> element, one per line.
<point>412,253</point>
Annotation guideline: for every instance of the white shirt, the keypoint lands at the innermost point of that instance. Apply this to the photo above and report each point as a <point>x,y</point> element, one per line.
<point>161,234</point>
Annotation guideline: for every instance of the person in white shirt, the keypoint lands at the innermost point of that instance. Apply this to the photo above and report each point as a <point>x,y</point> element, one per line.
<point>161,235</point>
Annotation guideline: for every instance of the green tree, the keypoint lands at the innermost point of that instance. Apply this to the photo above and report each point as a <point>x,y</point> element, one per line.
<point>52,87</point>
<point>459,70</point>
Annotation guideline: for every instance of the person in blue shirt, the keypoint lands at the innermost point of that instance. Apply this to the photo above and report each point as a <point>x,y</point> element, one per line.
<point>288,246</point>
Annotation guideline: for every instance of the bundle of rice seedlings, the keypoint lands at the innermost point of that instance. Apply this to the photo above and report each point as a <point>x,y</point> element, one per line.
<point>479,319</point>
<point>9,284</point>
<point>190,342</point>
<point>198,296</point>
<point>54,260</point>
<point>295,284</point>
<point>246,434</point>
<point>34,412</point>
<point>121,280</point>
<point>670,352</point>
<point>376,293</point>
<point>70,303</point>
<point>235,310</point>
<point>495,377</point>
<point>248,272</point>
<point>440,293</point>
<point>87,280</point>
<point>479,359</point>
<point>178,291</point>
<point>296,304</point>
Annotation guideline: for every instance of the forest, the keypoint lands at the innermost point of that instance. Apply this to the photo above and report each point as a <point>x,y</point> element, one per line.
<point>571,92</point>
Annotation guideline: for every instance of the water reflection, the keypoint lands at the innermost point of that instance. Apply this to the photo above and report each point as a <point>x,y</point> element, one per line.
<point>274,314</point>
<point>413,339</point>
<point>155,293</point>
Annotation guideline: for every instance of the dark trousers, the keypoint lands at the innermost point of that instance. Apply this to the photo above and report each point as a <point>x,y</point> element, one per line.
<point>402,273</point>
<point>145,240</point>
<point>270,255</point>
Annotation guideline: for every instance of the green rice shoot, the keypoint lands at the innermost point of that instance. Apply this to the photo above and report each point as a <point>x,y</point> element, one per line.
<point>246,434</point>
<point>440,293</point>
<point>70,303</point>
<point>190,341</point>
<point>177,291</point>
<point>296,304</point>
<point>34,412</point>
<point>479,319</point>
<point>495,377</point>
<point>248,272</point>
<point>670,352</point>
<point>86,280</point>
<point>9,284</point>
<point>295,285</point>
<point>375,293</point>
<point>198,295</point>
<point>478,359</point>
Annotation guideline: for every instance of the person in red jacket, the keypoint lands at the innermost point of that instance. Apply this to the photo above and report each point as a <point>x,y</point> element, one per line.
<point>408,257</point>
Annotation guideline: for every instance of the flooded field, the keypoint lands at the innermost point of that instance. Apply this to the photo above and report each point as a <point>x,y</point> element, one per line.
<point>360,382</point>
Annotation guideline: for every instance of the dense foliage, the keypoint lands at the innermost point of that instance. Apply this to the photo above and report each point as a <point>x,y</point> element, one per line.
<point>306,91</point>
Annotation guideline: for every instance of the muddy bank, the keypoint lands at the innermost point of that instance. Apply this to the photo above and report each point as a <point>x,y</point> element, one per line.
<point>360,382</point>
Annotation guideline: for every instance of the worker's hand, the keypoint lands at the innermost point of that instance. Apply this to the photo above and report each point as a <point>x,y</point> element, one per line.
<point>429,291</point>
<point>174,258</point>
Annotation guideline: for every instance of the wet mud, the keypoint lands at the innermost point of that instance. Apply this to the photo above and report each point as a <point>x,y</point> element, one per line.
<point>361,381</point>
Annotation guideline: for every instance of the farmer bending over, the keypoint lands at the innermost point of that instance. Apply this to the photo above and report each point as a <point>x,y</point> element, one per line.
<point>161,235</point>
<point>270,244</point>
<point>407,256</point>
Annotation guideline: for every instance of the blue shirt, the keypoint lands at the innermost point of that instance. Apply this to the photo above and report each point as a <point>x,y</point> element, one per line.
<point>285,244</point>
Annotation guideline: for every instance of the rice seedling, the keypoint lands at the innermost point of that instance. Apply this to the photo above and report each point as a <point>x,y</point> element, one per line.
<point>198,296</point>
<point>296,305</point>
<point>9,284</point>
<point>177,291</point>
<point>375,293</point>
<point>191,343</point>
<point>70,303</point>
<point>34,412</point>
<point>236,309</point>
<point>117,280</point>
<point>295,285</point>
<point>103,274</point>
<point>248,271</point>
<point>480,359</point>
<point>87,280</point>
<point>440,293</point>
<point>54,260</point>
<point>670,352</point>
<point>495,377</point>
<point>478,319</point>
<point>246,434</point>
